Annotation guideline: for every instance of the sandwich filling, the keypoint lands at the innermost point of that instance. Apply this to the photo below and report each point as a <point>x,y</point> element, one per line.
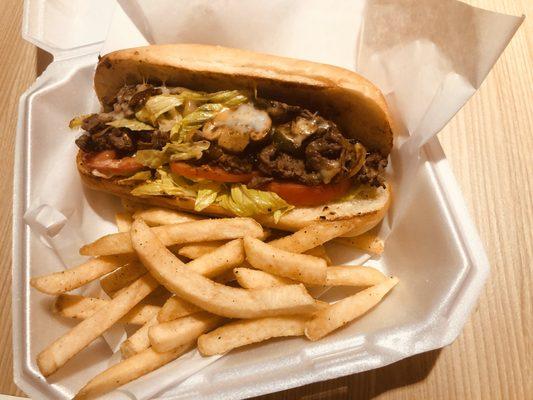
<point>227,147</point>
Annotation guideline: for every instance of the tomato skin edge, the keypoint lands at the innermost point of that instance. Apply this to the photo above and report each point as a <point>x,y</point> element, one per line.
<point>308,196</point>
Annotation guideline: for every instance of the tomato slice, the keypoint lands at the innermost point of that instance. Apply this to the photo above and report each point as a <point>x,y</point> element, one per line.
<point>208,172</point>
<point>107,163</point>
<point>308,196</point>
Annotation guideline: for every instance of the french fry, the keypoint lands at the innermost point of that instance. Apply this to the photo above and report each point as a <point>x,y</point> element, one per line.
<point>353,275</point>
<point>176,307</point>
<point>256,279</point>
<point>319,251</point>
<point>163,216</point>
<point>196,250</point>
<point>123,221</point>
<point>73,278</point>
<point>80,307</point>
<point>139,341</point>
<point>340,313</point>
<point>169,335</point>
<point>312,236</point>
<point>244,332</point>
<point>218,261</point>
<point>187,232</point>
<point>122,277</point>
<point>127,370</point>
<point>368,241</point>
<point>211,296</point>
<point>71,343</point>
<point>208,265</point>
<point>299,267</point>
<point>158,297</point>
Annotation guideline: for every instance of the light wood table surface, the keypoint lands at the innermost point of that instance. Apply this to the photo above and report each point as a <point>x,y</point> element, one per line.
<point>489,144</point>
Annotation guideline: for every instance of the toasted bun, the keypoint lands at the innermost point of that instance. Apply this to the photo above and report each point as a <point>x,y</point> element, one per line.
<point>348,99</point>
<point>364,212</point>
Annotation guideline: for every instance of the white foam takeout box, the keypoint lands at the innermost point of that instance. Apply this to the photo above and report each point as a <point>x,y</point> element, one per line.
<point>433,246</point>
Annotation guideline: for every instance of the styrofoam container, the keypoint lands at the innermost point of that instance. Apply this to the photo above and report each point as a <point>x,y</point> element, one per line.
<point>434,249</point>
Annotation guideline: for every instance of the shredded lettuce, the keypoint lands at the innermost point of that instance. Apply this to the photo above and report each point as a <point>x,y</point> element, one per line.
<point>152,158</point>
<point>246,202</point>
<point>228,98</point>
<point>238,199</point>
<point>207,194</point>
<point>186,151</point>
<point>131,124</point>
<point>139,176</point>
<point>160,104</point>
<point>164,185</point>
<point>172,151</point>
<point>193,121</point>
<point>76,122</point>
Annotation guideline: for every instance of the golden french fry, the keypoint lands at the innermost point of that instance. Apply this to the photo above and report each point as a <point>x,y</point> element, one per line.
<point>256,279</point>
<point>176,307</point>
<point>169,335</point>
<point>225,277</point>
<point>127,370</point>
<point>132,206</point>
<point>187,232</point>
<point>211,296</point>
<point>312,236</point>
<point>196,250</point>
<point>368,241</point>
<point>319,251</point>
<point>219,260</point>
<point>158,297</point>
<point>123,221</point>
<point>122,277</point>
<point>340,313</point>
<point>209,265</point>
<point>73,278</point>
<point>353,275</point>
<point>63,349</point>
<point>299,267</point>
<point>163,216</point>
<point>244,332</point>
<point>80,307</point>
<point>139,341</point>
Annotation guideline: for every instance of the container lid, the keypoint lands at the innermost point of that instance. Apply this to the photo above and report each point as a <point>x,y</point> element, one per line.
<point>67,28</point>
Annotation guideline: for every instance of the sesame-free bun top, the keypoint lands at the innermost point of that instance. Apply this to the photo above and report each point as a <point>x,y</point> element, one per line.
<point>348,99</point>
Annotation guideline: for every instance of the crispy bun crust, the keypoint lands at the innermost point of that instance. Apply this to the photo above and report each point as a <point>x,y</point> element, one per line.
<point>348,99</point>
<point>365,213</point>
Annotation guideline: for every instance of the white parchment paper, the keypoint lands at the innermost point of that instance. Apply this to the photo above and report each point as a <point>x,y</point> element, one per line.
<point>427,56</point>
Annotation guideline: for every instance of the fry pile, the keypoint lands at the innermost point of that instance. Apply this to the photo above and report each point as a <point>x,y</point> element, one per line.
<point>179,304</point>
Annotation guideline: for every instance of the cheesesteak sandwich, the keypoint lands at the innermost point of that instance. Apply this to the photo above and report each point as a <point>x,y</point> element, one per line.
<point>228,132</point>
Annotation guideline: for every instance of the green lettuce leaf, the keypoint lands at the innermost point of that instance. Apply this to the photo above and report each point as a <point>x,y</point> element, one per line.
<point>160,104</point>
<point>172,151</point>
<point>131,124</point>
<point>193,121</point>
<point>152,158</point>
<point>228,98</point>
<point>207,194</point>
<point>77,121</point>
<point>165,185</point>
<point>186,151</point>
<point>139,176</point>
<point>246,202</point>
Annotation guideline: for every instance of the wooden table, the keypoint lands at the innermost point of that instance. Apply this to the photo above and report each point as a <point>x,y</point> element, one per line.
<point>489,144</point>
